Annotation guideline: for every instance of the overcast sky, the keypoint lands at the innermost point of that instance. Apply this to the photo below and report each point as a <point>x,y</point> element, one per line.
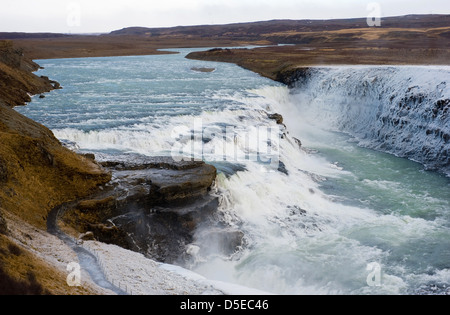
<point>95,16</point>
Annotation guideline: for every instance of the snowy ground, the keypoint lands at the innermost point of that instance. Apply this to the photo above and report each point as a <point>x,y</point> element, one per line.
<point>49,248</point>
<point>138,275</point>
<point>130,271</point>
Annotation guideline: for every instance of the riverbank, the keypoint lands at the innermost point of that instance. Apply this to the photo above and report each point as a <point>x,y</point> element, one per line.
<point>36,174</point>
<point>113,46</point>
<point>281,62</point>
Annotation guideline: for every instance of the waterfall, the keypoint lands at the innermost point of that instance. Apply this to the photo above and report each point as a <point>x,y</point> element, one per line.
<point>401,110</point>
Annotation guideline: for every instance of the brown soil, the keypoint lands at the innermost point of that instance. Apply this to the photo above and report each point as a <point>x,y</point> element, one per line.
<point>17,81</point>
<point>39,173</point>
<point>36,174</point>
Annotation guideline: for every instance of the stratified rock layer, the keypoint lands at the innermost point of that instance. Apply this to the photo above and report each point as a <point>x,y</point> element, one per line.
<point>152,206</point>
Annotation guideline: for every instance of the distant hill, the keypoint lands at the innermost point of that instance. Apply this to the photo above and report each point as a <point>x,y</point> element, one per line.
<point>256,29</point>
<point>14,35</point>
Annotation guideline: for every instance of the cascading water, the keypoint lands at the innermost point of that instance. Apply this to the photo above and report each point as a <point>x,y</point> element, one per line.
<point>333,217</point>
<point>400,110</point>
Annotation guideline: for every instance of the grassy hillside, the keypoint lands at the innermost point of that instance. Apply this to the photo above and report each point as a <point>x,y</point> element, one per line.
<point>36,174</point>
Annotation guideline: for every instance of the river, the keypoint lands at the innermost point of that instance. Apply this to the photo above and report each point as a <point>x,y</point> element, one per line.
<point>341,214</point>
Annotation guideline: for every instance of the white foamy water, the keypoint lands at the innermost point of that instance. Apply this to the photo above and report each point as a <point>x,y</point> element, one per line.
<point>329,210</point>
<point>400,110</point>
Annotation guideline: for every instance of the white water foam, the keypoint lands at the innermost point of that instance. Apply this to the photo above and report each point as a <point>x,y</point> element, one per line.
<point>299,240</point>
<point>400,110</point>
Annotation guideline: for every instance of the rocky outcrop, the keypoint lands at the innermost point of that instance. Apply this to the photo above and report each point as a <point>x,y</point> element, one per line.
<point>152,206</point>
<point>88,236</point>
<point>203,69</point>
<point>277,117</point>
<point>293,76</point>
<point>17,82</point>
<point>178,187</point>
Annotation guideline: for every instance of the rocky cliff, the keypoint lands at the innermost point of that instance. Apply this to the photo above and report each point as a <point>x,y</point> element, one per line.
<point>153,206</point>
<point>17,81</point>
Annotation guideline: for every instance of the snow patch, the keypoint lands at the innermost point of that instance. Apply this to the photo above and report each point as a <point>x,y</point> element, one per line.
<point>138,275</point>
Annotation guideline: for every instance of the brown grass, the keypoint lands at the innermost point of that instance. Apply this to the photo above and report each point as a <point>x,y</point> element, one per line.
<point>270,61</point>
<point>109,46</point>
<point>23,273</point>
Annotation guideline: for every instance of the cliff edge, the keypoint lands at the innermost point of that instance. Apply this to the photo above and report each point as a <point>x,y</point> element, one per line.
<point>36,174</point>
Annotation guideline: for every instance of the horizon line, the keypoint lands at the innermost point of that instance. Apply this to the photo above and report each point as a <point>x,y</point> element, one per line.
<point>221,24</point>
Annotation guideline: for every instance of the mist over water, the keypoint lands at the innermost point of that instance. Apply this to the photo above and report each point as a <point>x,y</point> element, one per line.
<point>332,212</point>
